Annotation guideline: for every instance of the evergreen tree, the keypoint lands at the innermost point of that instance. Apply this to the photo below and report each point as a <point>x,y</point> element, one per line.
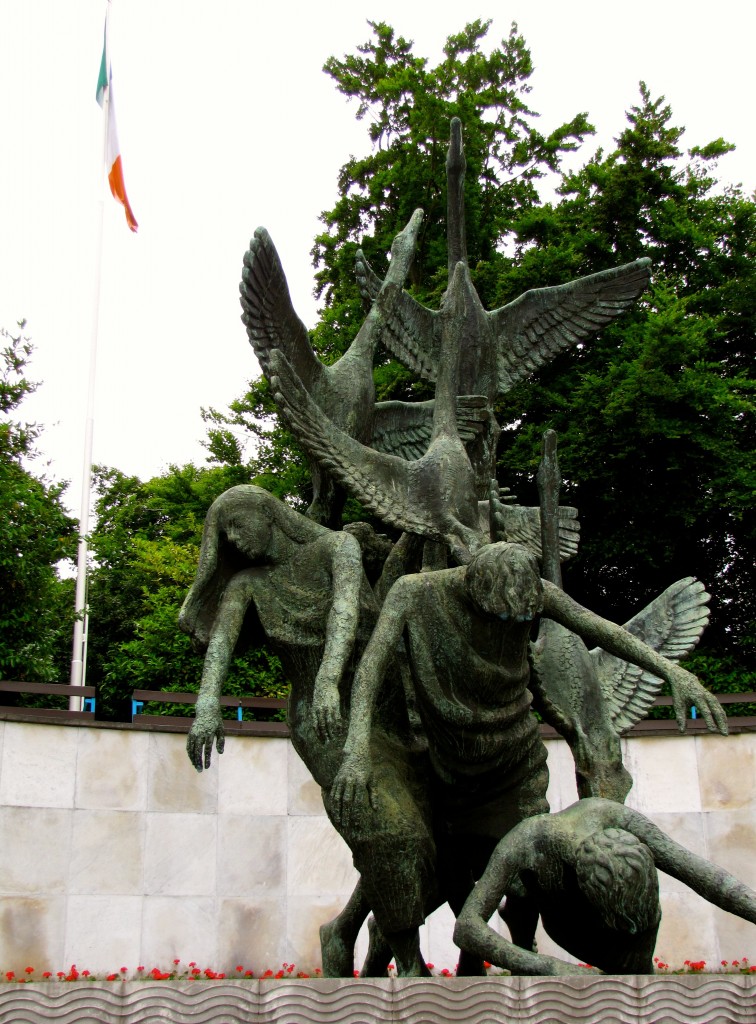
<point>36,607</point>
<point>656,416</point>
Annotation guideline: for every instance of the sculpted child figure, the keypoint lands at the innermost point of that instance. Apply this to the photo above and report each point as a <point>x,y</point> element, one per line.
<point>590,872</point>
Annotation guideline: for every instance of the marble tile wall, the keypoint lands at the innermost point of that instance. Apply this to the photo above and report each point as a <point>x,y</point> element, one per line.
<point>115,852</point>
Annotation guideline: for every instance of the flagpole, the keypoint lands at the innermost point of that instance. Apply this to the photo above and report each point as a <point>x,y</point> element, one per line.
<point>79,645</point>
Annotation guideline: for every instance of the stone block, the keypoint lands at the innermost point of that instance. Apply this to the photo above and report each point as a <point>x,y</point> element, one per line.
<point>304,792</point>
<point>562,789</point>
<point>303,919</point>
<point>251,855</point>
<point>173,784</point>
<point>39,765</point>
<point>251,933</point>
<point>111,769</point>
<point>319,861</point>
<point>35,850</point>
<point>687,930</point>
<point>436,940</point>
<point>179,928</point>
<point>731,843</point>
<point>252,776</point>
<point>32,932</point>
<point>665,774</point>
<point>103,932</point>
<point>727,772</point>
<point>107,853</point>
<point>180,855</point>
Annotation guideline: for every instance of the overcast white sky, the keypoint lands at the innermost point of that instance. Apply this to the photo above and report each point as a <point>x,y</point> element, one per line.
<point>226,122</point>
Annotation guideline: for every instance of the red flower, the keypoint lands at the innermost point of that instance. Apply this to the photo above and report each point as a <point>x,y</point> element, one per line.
<point>279,974</point>
<point>239,968</point>
<point>697,965</point>
<point>29,970</point>
<point>318,970</point>
<point>112,977</point>
<point>177,962</point>
<point>196,971</point>
<point>123,970</point>
<point>47,974</point>
<point>267,974</point>
<point>430,966</point>
<point>735,963</point>
<point>249,974</point>
<point>446,973</point>
<point>192,963</point>
<point>140,968</point>
<point>723,963</point>
<point>61,975</point>
<point>486,964</point>
<point>301,974</point>
<point>220,976</point>
<point>356,974</point>
<point>10,975</point>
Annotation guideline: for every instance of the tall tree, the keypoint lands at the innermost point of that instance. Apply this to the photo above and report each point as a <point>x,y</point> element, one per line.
<point>656,417</point>
<point>36,607</point>
<point>409,105</point>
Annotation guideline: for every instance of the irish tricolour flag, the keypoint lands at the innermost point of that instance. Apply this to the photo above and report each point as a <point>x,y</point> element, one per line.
<point>112,149</point>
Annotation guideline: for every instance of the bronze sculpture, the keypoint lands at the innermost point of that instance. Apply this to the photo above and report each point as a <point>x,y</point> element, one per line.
<point>410,703</point>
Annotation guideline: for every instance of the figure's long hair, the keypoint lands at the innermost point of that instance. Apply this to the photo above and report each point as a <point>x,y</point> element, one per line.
<point>218,562</point>
<point>618,875</point>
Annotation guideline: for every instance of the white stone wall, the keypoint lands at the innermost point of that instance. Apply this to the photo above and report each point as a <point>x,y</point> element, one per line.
<point>115,852</point>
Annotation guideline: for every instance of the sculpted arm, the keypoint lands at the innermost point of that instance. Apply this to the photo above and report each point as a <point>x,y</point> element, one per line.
<point>686,689</point>
<point>352,784</point>
<point>710,881</point>
<point>341,629</point>
<point>208,724</point>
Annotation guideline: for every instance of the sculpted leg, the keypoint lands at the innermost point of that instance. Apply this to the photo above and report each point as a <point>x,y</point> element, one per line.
<point>337,937</point>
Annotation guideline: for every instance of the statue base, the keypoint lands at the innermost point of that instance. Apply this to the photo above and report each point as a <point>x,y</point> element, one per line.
<point>673,999</point>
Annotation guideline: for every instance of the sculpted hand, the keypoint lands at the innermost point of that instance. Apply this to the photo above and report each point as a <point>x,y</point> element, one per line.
<point>352,793</point>
<point>687,690</point>
<point>326,709</point>
<point>208,726</point>
<point>327,714</point>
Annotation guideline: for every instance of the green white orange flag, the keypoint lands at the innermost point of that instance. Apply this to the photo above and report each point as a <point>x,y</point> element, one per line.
<point>112,150</point>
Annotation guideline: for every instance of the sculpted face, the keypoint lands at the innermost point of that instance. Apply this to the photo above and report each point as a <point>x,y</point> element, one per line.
<point>246,524</point>
<point>503,580</point>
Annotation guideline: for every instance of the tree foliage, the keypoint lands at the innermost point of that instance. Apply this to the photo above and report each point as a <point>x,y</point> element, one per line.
<point>146,549</point>
<point>36,618</point>
<point>656,416</point>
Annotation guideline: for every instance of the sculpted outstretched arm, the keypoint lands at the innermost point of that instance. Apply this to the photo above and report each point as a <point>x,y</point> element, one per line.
<point>686,689</point>
<point>341,629</point>
<point>709,880</point>
<point>208,724</point>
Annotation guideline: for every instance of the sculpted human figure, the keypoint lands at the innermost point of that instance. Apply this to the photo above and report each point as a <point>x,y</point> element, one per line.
<point>590,872</point>
<point>268,574</point>
<point>466,632</point>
